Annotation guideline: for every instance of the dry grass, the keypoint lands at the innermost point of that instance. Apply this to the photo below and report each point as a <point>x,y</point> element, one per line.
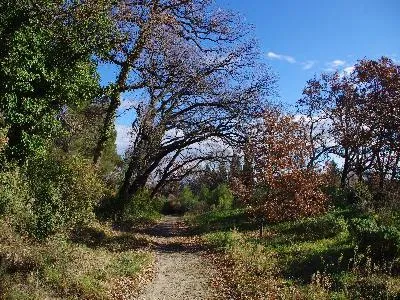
<point>103,264</point>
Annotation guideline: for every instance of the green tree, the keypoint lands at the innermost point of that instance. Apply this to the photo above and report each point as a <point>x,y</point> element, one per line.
<point>204,194</point>
<point>82,128</point>
<point>46,67</point>
<point>222,197</point>
<point>187,199</point>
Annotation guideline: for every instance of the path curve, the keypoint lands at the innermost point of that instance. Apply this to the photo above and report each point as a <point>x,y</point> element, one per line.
<point>180,271</point>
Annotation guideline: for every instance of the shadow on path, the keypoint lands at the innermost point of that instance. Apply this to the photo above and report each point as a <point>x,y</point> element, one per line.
<point>172,235</point>
<point>170,226</point>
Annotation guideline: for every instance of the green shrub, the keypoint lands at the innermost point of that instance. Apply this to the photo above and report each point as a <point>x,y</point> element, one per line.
<point>325,226</point>
<point>363,198</point>
<point>223,197</point>
<point>187,199</point>
<point>381,241</point>
<point>143,208</point>
<point>220,198</point>
<point>205,194</point>
<point>339,196</point>
<point>50,194</point>
<point>224,240</point>
<point>389,217</point>
<point>15,200</point>
<point>65,190</point>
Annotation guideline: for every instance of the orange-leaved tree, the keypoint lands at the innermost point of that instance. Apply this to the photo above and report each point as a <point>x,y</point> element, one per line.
<point>282,185</point>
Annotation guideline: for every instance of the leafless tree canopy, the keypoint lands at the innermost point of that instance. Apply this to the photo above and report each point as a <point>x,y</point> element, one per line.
<point>196,75</point>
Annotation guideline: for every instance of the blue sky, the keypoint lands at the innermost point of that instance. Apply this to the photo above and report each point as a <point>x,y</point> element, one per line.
<point>301,38</point>
<point>307,37</point>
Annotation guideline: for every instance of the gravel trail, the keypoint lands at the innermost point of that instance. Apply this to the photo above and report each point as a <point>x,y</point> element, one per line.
<point>180,271</point>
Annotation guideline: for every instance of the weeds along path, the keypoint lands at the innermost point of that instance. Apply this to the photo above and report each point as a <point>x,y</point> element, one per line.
<point>180,271</point>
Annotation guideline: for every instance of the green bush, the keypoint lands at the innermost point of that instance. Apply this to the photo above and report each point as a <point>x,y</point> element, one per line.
<point>187,199</point>
<point>224,240</point>
<point>205,194</point>
<point>363,198</point>
<point>65,190</point>
<point>220,198</point>
<point>389,217</point>
<point>15,199</point>
<point>339,196</point>
<point>50,194</point>
<point>326,226</point>
<point>143,208</point>
<point>379,240</point>
<point>223,197</point>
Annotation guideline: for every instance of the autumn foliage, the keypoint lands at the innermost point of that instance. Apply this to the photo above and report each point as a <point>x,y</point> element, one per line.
<point>355,117</point>
<point>281,187</point>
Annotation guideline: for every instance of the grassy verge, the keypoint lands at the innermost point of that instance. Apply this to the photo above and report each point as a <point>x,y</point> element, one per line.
<point>314,258</point>
<point>220,220</point>
<point>95,263</point>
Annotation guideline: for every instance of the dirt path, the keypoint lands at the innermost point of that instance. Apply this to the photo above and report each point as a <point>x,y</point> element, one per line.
<point>180,271</point>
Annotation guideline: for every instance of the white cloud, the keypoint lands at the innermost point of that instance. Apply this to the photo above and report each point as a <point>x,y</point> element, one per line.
<point>128,104</point>
<point>340,66</point>
<point>309,64</point>
<point>348,70</point>
<point>123,140</point>
<point>306,65</point>
<point>336,63</point>
<point>287,58</point>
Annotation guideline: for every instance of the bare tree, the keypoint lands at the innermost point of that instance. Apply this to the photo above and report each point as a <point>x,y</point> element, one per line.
<point>189,101</point>
<point>197,75</point>
<point>314,115</point>
<point>142,24</point>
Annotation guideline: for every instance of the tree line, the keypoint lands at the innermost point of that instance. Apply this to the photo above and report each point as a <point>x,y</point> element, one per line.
<point>200,85</point>
<point>343,137</point>
<point>195,70</point>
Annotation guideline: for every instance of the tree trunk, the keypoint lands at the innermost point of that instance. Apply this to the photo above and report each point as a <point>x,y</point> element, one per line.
<point>139,169</point>
<point>261,230</point>
<point>382,177</point>
<point>129,189</point>
<point>14,136</point>
<point>107,125</point>
<point>345,171</point>
<point>123,196</point>
<point>120,86</point>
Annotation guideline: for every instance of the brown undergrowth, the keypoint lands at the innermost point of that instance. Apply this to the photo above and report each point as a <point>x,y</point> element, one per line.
<point>95,262</point>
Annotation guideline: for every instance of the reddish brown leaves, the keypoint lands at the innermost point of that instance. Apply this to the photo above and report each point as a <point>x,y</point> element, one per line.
<point>281,187</point>
<point>360,114</point>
